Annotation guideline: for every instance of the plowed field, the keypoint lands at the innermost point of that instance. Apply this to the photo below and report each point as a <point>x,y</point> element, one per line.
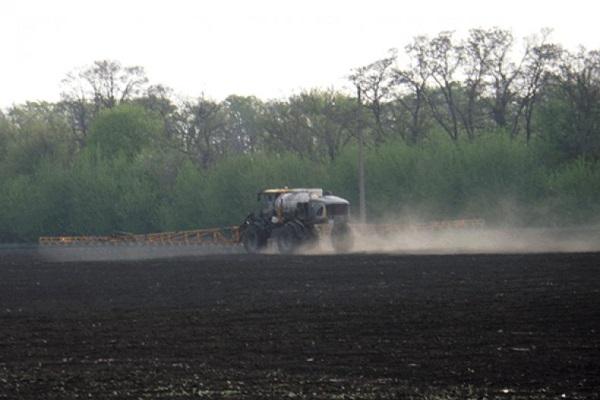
<point>346,326</point>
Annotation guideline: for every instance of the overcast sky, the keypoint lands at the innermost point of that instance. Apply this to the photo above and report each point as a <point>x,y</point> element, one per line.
<point>268,48</point>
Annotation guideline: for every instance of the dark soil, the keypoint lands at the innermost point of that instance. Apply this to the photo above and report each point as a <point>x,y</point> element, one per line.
<point>351,326</point>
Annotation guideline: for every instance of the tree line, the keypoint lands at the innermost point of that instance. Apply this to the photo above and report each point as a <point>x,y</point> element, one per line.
<point>120,153</point>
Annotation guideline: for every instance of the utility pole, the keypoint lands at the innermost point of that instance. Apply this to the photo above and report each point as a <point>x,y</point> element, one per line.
<point>362,203</point>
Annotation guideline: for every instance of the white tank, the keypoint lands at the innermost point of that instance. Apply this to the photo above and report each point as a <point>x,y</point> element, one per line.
<point>287,202</point>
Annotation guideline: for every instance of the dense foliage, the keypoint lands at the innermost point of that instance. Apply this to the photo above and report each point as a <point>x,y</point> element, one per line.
<point>466,128</point>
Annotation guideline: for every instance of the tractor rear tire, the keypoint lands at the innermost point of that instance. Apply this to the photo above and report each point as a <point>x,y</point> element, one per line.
<point>287,239</point>
<point>254,239</point>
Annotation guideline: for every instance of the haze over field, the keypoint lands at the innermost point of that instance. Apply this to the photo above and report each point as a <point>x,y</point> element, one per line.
<point>367,240</point>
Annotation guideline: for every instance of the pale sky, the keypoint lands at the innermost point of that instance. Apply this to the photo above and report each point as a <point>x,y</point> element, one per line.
<point>267,48</point>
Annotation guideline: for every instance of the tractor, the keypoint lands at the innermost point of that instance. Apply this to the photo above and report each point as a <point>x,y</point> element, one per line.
<point>297,218</point>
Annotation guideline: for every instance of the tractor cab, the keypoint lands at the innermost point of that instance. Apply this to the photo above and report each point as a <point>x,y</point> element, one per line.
<point>266,200</point>
<point>266,203</point>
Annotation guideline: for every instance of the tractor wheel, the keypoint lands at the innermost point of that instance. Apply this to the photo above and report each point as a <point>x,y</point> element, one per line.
<point>341,238</point>
<point>310,237</point>
<point>287,239</point>
<point>254,239</point>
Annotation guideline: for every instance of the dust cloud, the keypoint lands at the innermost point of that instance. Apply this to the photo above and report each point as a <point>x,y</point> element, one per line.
<point>368,239</point>
<point>475,240</point>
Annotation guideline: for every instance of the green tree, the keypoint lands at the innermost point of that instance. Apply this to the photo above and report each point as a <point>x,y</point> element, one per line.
<point>245,133</point>
<point>5,135</point>
<point>126,129</point>
<point>201,131</point>
<point>314,124</point>
<point>104,84</point>
<point>184,206</point>
<point>571,115</point>
<point>34,131</point>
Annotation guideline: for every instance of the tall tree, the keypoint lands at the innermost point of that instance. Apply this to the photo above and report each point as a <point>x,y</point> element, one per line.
<point>329,118</point>
<point>37,132</point>
<point>410,91</point>
<point>504,73</point>
<point>442,58</point>
<point>375,81</point>
<point>287,130</point>
<point>159,100</point>
<point>5,135</point>
<point>244,131</point>
<point>104,84</point>
<point>201,130</point>
<point>571,112</point>
<point>539,58</point>
<point>315,124</point>
<point>126,129</point>
<point>478,51</point>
